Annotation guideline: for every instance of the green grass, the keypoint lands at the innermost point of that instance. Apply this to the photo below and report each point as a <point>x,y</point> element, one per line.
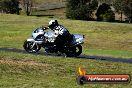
<point>53,72</point>
<point>19,70</point>
<point>101,38</point>
<point>112,53</point>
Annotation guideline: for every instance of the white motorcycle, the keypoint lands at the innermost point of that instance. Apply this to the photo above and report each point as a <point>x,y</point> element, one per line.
<point>42,38</point>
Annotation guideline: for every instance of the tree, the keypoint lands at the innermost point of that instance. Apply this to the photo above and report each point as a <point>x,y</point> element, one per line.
<point>128,9</point>
<point>27,6</point>
<point>10,6</point>
<point>118,5</point>
<point>124,7</point>
<point>81,9</point>
<point>105,1</point>
<point>104,13</point>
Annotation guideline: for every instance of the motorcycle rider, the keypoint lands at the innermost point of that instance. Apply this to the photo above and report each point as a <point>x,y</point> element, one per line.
<point>62,34</point>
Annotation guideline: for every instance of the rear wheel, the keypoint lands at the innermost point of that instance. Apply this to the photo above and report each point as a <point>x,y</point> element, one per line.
<point>74,51</point>
<point>30,47</point>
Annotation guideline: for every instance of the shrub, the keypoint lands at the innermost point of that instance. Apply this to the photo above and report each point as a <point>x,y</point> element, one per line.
<point>81,9</point>
<point>104,13</point>
<point>10,6</point>
<point>108,16</point>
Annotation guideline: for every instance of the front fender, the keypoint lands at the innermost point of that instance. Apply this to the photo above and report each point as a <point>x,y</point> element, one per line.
<point>30,40</point>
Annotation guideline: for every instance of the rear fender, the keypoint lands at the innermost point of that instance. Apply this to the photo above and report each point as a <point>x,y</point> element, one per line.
<point>78,39</point>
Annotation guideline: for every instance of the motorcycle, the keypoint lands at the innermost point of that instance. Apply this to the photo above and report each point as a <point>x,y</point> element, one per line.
<point>42,38</point>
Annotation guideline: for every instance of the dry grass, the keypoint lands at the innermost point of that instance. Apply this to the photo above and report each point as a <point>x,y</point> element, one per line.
<point>60,72</point>
<point>58,13</point>
<point>21,62</point>
<point>47,1</point>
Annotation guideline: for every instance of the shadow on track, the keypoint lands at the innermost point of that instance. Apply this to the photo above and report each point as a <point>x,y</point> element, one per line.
<point>102,58</point>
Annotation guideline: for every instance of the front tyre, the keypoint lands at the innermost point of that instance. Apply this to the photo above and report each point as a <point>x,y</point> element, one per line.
<point>30,47</point>
<point>74,51</point>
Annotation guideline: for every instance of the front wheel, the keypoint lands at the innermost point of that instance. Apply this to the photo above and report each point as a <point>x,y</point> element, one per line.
<point>31,47</point>
<point>74,51</point>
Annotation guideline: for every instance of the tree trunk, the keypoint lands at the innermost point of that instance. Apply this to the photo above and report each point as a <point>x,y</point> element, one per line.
<point>121,17</point>
<point>28,6</point>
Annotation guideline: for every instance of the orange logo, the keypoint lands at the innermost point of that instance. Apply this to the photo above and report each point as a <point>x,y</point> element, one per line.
<point>84,78</point>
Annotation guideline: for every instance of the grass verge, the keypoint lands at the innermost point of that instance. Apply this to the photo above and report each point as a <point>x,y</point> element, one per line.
<point>53,72</point>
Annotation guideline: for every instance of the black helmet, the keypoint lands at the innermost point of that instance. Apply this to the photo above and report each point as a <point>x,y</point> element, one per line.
<point>53,23</point>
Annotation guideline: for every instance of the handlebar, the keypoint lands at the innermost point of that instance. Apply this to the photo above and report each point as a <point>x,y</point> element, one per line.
<point>45,28</point>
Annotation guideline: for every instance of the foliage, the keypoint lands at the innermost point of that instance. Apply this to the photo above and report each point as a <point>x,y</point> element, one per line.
<point>119,5</point>
<point>110,2</point>
<point>124,6</point>
<point>81,9</point>
<point>105,13</point>
<point>10,6</point>
<point>27,4</point>
<point>128,10</point>
<point>108,16</point>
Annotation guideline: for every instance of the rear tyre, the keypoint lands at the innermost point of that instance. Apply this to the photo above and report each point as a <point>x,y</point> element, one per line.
<point>74,51</point>
<point>30,47</point>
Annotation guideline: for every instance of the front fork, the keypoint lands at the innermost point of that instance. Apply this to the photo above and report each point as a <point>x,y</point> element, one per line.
<point>33,45</point>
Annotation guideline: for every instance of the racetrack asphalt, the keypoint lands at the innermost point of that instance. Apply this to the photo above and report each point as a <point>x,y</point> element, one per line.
<point>102,58</point>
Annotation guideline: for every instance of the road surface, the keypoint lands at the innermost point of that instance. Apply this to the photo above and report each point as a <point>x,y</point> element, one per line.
<point>102,58</point>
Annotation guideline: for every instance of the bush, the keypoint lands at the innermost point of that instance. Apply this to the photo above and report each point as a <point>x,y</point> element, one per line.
<point>108,16</point>
<point>10,6</point>
<point>81,9</point>
<point>104,13</point>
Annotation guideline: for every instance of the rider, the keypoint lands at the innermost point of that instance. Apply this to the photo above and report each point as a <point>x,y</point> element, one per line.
<point>63,35</point>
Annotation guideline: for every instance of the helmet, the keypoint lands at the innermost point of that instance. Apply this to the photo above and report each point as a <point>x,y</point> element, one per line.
<point>53,23</point>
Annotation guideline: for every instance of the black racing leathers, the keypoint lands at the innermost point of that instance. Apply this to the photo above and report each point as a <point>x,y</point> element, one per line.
<point>62,36</point>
